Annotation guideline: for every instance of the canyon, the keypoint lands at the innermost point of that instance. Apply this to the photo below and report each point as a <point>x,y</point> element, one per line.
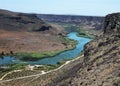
<point>99,64</point>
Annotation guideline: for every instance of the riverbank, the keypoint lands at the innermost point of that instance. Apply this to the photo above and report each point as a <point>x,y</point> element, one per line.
<point>74,50</point>
<point>6,77</point>
<point>25,56</point>
<point>82,33</point>
<point>16,70</point>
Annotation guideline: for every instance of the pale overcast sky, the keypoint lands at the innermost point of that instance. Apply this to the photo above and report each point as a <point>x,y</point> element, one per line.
<point>76,7</point>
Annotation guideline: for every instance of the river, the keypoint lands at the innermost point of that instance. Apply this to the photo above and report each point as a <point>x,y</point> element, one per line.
<point>53,60</point>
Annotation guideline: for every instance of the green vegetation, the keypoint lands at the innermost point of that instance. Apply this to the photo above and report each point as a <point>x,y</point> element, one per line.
<point>69,43</point>
<point>77,28</point>
<point>83,33</point>
<point>28,72</point>
<point>35,56</point>
<point>11,68</point>
<point>51,67</point>
<point>71,27</point>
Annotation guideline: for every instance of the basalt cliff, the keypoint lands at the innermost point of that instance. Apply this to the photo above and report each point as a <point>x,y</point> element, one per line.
<point>102,57</point>
<point>89,22</point>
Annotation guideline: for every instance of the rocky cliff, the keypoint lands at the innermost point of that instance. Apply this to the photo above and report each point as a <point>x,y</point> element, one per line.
<point>102,56</point>
<point>94,22</point>
<point>112,24</point>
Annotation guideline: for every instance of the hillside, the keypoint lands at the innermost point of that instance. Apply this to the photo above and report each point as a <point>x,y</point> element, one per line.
<point>20,32</point>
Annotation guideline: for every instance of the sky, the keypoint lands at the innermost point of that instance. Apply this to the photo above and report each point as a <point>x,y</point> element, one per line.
<point>71,7</point>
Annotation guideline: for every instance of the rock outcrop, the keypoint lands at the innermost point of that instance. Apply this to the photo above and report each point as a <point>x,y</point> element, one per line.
<point>102,56</point>
<point>112,24</point>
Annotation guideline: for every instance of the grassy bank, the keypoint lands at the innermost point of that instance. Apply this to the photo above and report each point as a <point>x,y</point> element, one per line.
<point>35,56</point>
<point>27,72</point>
<point>69,43</point>
<point>85,34</point>
<point>8,68</point>
<point>77,28</point>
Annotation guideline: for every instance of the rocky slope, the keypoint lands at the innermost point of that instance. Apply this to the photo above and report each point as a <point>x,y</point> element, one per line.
<point>20,32</point>
<point>102,57</point>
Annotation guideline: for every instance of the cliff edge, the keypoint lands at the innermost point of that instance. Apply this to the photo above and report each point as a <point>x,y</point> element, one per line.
<point>102,56</point>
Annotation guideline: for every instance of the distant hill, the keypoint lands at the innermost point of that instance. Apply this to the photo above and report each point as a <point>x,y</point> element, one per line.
<point>21,21</point>
<point>94,22</point>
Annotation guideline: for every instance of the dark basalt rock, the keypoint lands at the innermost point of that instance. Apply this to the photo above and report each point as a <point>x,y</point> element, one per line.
<point>105,50</point>
<point>43,28</point>
<point>112,24</point>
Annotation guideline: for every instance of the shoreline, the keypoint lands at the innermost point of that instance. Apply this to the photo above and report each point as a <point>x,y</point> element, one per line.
<point>86,36</point>
<point>43,72</point>
<point>34,56</point>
